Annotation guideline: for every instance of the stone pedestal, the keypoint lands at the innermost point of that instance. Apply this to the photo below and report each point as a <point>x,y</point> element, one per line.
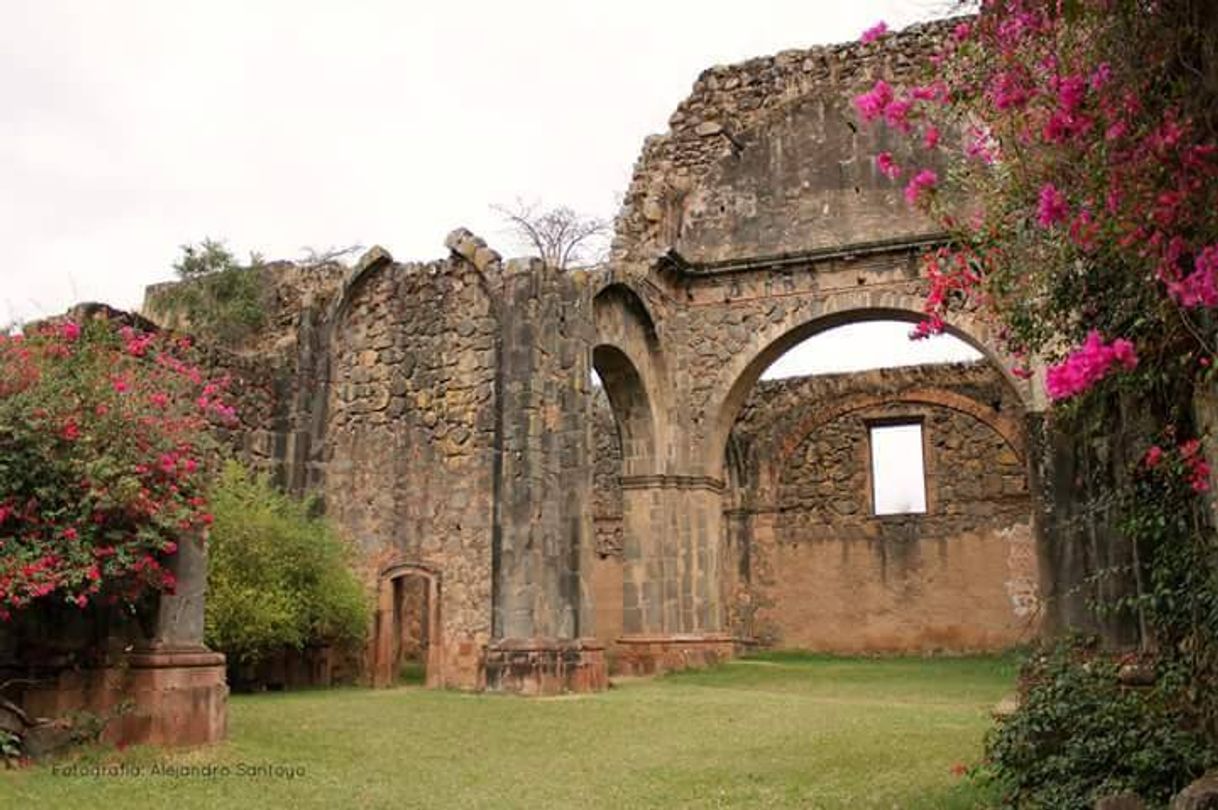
<point>180,698</point>
<point>652,654</point>
<point>169,690</point>
<point>545,666</point>
<point>154,696</point>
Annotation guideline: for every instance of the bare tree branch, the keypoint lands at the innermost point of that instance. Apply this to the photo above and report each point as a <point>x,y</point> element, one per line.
<point>313,257</point>
<point>561,237</point>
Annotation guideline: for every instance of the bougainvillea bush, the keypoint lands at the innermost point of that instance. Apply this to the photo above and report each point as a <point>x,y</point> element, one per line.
<point>1080,187</point>
<point>1068,150</point>
<point>103,444</point>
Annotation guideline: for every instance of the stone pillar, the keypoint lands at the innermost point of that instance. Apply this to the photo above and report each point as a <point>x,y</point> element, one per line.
<point>672,600</point>
<point>542,617</point>
<point>176,683</point>
<point>1082,555</point>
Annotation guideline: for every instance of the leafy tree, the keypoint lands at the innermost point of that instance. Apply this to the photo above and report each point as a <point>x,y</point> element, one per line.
<point>217,298</point>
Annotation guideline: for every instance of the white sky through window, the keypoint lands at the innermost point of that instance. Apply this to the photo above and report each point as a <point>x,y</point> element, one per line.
<point>866,345</point>
<point>897,474</point>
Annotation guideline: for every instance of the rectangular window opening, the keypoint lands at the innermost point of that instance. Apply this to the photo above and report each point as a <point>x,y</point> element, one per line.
<point>898,478</point>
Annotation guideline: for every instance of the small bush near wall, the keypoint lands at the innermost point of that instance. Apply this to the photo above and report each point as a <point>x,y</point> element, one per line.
<point>1081,734</point>
<point>278,577</point>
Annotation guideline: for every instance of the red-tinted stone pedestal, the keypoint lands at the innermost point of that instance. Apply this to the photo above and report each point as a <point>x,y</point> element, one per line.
<point>169,690</point>
<point>545,666</point>
<point>155,696</point>
<point>664,652</point>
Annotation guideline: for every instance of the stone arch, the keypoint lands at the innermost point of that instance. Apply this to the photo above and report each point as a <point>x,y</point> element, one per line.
<point>387,623</point>
<point>627,357</point>
<point>1005,427</point>
<point>742,373</point>
<point>372,262</point>
<point>633,414</point>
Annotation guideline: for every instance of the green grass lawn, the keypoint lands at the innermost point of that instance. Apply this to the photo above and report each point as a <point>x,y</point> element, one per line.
<point>773,731</point>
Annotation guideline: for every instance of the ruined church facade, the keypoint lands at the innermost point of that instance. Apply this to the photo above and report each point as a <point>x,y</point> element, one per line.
<point>540,531</point>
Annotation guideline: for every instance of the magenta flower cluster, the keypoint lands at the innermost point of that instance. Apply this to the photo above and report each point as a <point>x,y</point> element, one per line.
<point>1088,364</point>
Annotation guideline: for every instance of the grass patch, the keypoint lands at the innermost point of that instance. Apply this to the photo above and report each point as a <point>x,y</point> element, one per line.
<point>766,731</point>
<point>412,673</point>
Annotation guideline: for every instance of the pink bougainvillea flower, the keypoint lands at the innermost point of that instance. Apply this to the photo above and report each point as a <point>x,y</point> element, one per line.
<point>1071,90</point>
<point>874,33</point>
<point>928,327</point>
<point>1153,456</point>
<point>1051,206</point>
<point>1087,365</point>
<point>871,105</point>
<point>981,144</point>
<point>168,463</point>
<point>1200,287</point>
<point>922,182</point>
<point>896,114</point>
<point>1009,90</point>
<point>70,331</point>
<point>887,166</point>
<point>930,138</point>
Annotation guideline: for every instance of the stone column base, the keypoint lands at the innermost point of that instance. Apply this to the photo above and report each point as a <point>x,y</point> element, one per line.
<point>531,666</point>
<point>157,697</point>
<point>651,654</point>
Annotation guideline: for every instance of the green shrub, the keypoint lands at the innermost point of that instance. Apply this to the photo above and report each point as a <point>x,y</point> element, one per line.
<point>278,576</point>
<point>1079,735</point>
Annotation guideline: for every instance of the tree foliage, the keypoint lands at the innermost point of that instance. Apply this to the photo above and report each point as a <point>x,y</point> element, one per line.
<point>1068,150</point>
<point>217,298</point>
<point>1080,735</point>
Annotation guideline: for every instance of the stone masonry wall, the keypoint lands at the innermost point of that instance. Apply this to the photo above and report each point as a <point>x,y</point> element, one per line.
<point>762,158</point>
<point>823,572</point>
<point>808,564</point>
<point>409,436</point>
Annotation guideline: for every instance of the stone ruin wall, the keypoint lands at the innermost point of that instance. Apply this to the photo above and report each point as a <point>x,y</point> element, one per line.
<point>395,390</point>
<point>438,409</point>
<point>808,565</point>
<point>763,158</point>
<point>824,572</point>
<point>407,449</point>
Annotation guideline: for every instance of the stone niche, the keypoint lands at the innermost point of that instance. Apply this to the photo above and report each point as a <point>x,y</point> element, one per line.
<point>149,676</point>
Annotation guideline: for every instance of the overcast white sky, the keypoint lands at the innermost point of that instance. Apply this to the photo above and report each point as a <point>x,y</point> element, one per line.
<point>128,128</point>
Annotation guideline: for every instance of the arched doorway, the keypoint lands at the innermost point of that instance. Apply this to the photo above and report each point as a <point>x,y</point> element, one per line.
<point>876,507</point>
<point>407,648</point>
